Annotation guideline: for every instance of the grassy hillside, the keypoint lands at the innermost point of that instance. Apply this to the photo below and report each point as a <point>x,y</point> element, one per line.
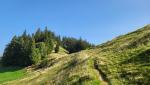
<point>123,61</point>
<point>126,59</point>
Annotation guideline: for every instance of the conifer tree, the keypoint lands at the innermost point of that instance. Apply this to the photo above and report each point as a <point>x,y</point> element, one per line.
<point>35,53</point>
<point>37,35</point>
<point>26,50</point>
<point>57,48</point>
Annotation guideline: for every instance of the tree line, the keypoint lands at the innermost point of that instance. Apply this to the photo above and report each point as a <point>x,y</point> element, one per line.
<point>75,45</point>
<point>26,50</point>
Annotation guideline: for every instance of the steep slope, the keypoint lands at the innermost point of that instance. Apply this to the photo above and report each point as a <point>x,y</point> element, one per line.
<point>130,40</point>
<point>127,58</point>
<point>123,61</point>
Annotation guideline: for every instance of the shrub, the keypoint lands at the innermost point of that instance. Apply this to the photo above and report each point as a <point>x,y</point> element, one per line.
<point>43,64</point>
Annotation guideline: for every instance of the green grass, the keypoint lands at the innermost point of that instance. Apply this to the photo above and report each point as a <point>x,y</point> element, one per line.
<point>11,73</point>
<point>123,61</point>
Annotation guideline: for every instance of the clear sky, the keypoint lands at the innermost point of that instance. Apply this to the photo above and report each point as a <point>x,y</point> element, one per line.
<point>94,20</point>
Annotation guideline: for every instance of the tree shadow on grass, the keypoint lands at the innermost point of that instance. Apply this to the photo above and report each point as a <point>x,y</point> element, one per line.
<point>9,69</point>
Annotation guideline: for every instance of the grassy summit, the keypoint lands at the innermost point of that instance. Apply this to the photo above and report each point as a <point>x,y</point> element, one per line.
<point>124,60</point>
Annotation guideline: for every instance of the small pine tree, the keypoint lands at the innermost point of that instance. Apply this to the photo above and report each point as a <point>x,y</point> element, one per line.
<point>35,53</point>
<point>50,45</point>
<point>43,49</point>
<point>38,36</point>
<point>57,48</point>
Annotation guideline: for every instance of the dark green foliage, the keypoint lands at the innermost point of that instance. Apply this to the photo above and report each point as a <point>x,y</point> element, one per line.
<point>35,55</point>
<point>50,46</point>
<point>75,45</point>
<point>44,36</point>
<point>42,49</point>
<point>26,50</point>
<point>58,39</point>
<point>69,44</point>
<point>57,48</point>
<point>18,51</point>
<point>38,36</point>
<point>0,60</point>
<point>47,37</point>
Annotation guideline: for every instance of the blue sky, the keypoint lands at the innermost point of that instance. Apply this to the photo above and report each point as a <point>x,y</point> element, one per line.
<point>94,20</point>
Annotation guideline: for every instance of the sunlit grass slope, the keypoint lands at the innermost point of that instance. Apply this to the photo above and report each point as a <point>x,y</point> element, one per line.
<point>124,60</point>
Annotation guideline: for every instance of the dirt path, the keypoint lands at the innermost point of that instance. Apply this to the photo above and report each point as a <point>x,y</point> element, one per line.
<point>102,76</point>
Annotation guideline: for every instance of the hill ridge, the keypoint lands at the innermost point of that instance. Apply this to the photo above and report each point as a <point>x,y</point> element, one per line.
<point>124,60</point>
